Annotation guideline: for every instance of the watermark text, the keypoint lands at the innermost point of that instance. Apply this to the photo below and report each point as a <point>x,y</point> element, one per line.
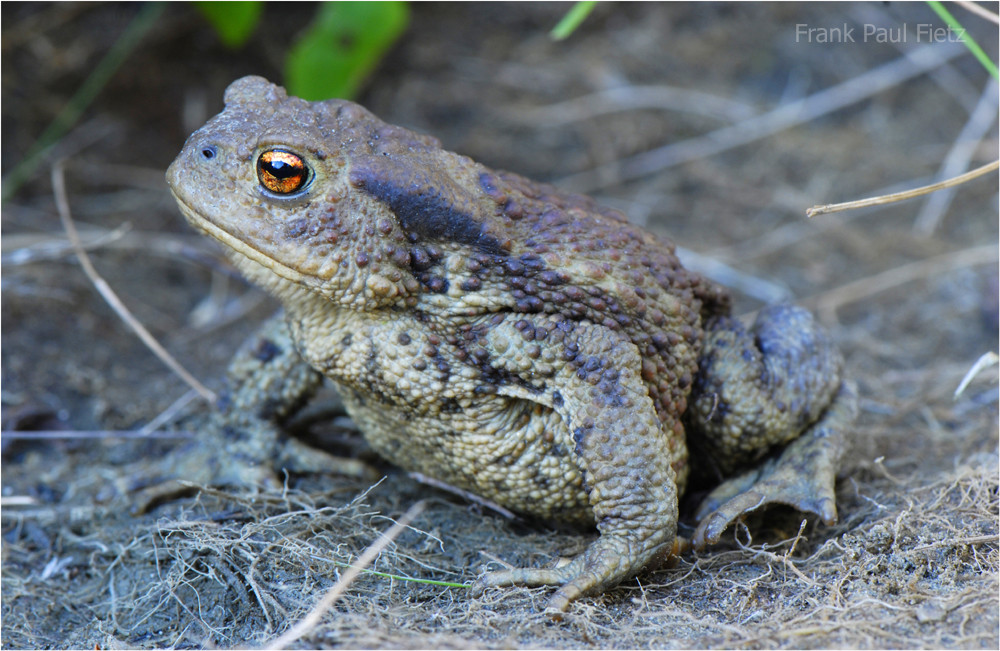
<point>868,33</point>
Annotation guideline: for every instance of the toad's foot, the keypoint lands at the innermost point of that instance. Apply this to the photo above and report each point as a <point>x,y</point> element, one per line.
<point>255,455</point>
<point>606,563</point>
<point>802,477</point>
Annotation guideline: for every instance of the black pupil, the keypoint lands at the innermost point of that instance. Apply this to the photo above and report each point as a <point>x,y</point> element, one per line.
<point>281,169</point>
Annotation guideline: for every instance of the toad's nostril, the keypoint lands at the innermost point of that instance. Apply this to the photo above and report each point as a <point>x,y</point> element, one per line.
<point>208,153</point>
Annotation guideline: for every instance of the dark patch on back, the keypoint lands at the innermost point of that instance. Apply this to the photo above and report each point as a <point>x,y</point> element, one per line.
<point>421,203</point>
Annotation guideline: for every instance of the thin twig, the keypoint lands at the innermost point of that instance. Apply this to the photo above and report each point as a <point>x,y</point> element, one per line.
<point>466,495</point>
<point>734,278</point>
<point>62,203</point>
<point>830,301</point>
<point>787,235</point>
<point>986,360</point>
<point>95,434</point>
<point>959,157</point>
<point>634,98</point>
<point>953,82</point>
<point>168,414</point>
<point>902,196</point>
<point>954,542</point>
<point>23,249</point>
<point>979,11</point>
<point>29,248</point>
<point>310,621</point>
<point>784,117</point>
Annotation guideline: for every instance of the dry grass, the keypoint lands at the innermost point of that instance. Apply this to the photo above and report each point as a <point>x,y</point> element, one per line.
<point>917,570</point>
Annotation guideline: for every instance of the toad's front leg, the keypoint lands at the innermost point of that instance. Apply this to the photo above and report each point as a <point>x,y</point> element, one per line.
<point>592,380</point>
<point>242,443</point>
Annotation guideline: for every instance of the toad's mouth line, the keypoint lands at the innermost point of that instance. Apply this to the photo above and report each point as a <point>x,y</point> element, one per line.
<point>236,244</point>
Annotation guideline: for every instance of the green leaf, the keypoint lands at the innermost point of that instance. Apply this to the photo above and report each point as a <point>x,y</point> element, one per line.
<point>234,22</point>
<point>342,47</point>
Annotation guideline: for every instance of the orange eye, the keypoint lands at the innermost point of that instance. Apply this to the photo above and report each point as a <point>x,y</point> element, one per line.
<point>282,172</point>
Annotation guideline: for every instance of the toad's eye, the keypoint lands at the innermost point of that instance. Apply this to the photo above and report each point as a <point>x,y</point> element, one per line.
<point>282,172</point>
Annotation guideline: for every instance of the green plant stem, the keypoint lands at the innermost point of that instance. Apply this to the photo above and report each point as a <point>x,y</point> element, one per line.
<point>83,97</point>
<point>953,23</point>
<point>568,23</point>
<point>446,584</point>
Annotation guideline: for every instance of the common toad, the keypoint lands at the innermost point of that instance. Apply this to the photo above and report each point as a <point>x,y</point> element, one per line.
<point>510,339</point>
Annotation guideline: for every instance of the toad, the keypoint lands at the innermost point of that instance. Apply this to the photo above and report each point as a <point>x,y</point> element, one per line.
<point>522,343</point>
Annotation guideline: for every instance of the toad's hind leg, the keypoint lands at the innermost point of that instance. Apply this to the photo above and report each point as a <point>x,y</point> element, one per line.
<point>802,476</point>
<point>778,384</point>
<point>620,446</point>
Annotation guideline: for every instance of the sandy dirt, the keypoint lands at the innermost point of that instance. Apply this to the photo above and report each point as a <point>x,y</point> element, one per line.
<point>909,291</point>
